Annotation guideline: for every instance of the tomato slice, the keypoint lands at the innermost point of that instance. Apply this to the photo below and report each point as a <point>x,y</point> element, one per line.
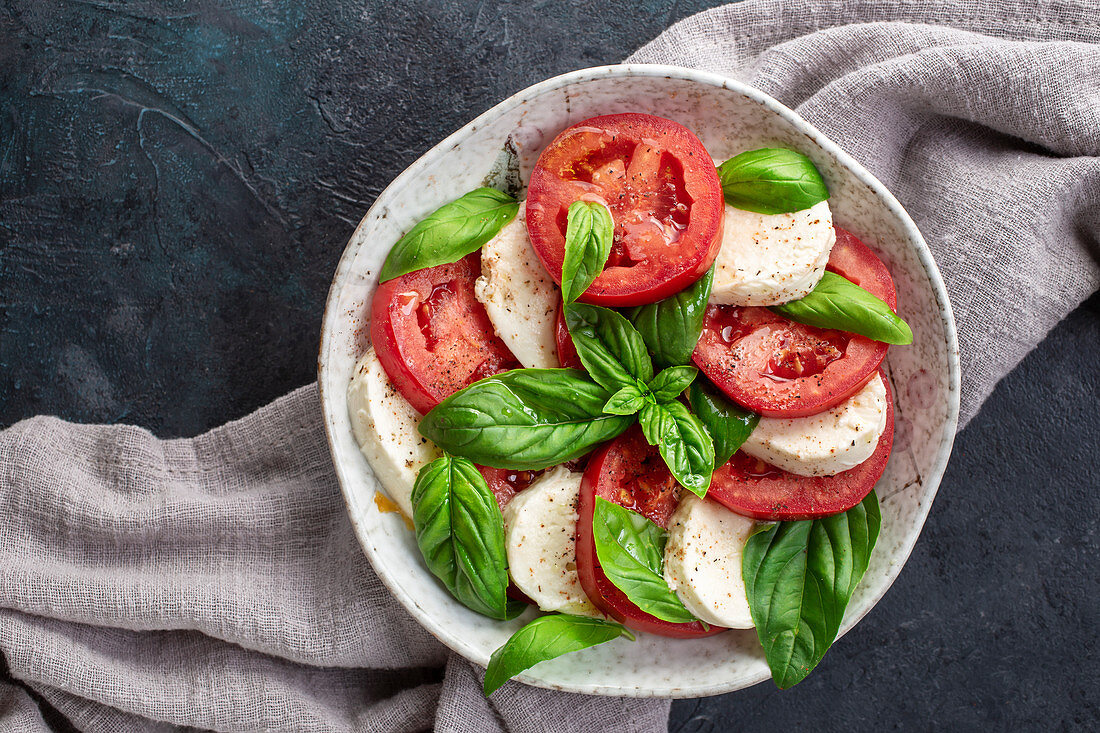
<point>631,473</point>
<point>749,486</point>
<point>784,369</point>
<point>506,483</point>
<point>432,335</point>
<point>663,192</point>
<point>567,352</point>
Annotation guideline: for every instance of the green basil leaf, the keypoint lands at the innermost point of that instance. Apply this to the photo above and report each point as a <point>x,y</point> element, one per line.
<point>524,419</point>
<point>728,423</point>
<point>771,181</point>
<point>460,531</point>
<point>627,401</point>
<point>450,233</point>
<point>545,638</point>
<point>839,303</point>
<point>631,551</point>
<point>799,577</point>
<point>671,383</point>
<point>682,441</point>
<point>589,231</point>
<point>610,348</point>
<point>671,327</point>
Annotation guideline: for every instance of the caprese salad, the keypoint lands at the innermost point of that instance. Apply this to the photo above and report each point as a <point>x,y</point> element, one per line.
<point>648,398</point>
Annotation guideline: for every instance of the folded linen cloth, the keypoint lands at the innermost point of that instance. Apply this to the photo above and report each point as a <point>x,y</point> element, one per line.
<point>216,583</point>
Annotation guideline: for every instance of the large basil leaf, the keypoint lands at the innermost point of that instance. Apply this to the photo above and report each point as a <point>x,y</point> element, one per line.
<point>771,181</point>
<point>671,383</point>
<point>525,419</point>
<point>728,423</point>
<point>839,303</point>
<point>631,551</point>
<point>799,577</point>
<point>460,531</point>
<point>671,327</point>
<point>545,638</point>
<point>610,348</point>
<point>451,232</point>
<point>589,231</point>
<point>682,441</point>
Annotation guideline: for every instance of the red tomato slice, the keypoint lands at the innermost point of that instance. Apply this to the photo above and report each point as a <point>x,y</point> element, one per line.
<point>432,335</point>
<point>567,352</point>
<point>631,473</point>
<point>663,192</point>
<point>784,369</point>
<point>755,489</point>
<point>854,260</point>
<point>506,483</point>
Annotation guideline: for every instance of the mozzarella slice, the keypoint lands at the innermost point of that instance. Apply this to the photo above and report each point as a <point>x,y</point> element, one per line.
<point>768,260</point>
<point>827,443</point>
<point>539,528</point>
<point>385,428</point>
<point>519,295</point>
<point>703,561</point>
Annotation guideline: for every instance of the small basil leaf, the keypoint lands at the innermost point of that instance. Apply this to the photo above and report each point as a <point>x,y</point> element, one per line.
<point>839,303</point>
<point>545,638</point>
<point>451,232</point>
<point>626,401</point>
<point>631,551</point>
<point>671,383</point>
<point>771,181</point>
<point>682,441</point>
<point>671,327</point>
<point>610,348</point>
<point>460,532</point>
<point>728,423</point>
<point>524,419</point>
<point>589,231</point>
<point>799,577</point>
<point>514,609</point>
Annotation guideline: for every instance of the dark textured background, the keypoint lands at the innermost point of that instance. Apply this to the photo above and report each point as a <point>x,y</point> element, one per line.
<point>177,182</point>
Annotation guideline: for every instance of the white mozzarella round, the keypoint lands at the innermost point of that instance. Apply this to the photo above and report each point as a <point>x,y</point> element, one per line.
<point>703,561</point>
<point>772,259</point>
<point>385,427</point>
<point>519,295</point>
<point>827,443</point>
<point>539,528</point>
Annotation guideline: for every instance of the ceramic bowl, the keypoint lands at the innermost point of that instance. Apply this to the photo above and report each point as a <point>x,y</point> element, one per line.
<point>500,147</point>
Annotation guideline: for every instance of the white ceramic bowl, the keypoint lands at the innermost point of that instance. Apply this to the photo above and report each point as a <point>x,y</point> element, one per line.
<point>729,118</point>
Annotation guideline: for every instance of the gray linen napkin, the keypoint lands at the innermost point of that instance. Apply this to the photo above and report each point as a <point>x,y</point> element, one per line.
<point>216,582</point>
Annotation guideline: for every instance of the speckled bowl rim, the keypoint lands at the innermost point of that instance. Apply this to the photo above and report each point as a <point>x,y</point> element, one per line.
<point>330,403</point>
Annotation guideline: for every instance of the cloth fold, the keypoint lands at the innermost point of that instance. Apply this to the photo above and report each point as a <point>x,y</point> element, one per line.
<point>216,583</point>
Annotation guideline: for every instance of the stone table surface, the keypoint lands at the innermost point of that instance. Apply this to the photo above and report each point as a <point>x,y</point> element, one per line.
<point>177,181</point>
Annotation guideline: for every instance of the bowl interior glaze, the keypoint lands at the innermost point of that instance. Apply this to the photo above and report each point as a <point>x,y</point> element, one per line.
<point>500,147</point>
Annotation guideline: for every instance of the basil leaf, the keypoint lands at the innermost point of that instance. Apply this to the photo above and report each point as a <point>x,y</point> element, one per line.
<point>671,327</point>
<point>460,532</point>
<point>839,303</point>
<point>608,346</point>
<point>771,181</point>
<point>450,233</point>
<point>799,577</point>
<point>545,638</point>
<point>627,401</point>
<point>631,551</point>
<point>728,423</point>
<point>671,383</point>
<point>524,419</point>
<point>682,441</point>
<point>589,232</point>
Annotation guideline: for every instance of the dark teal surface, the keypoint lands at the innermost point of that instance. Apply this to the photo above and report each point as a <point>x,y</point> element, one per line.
<point>177,182</point>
